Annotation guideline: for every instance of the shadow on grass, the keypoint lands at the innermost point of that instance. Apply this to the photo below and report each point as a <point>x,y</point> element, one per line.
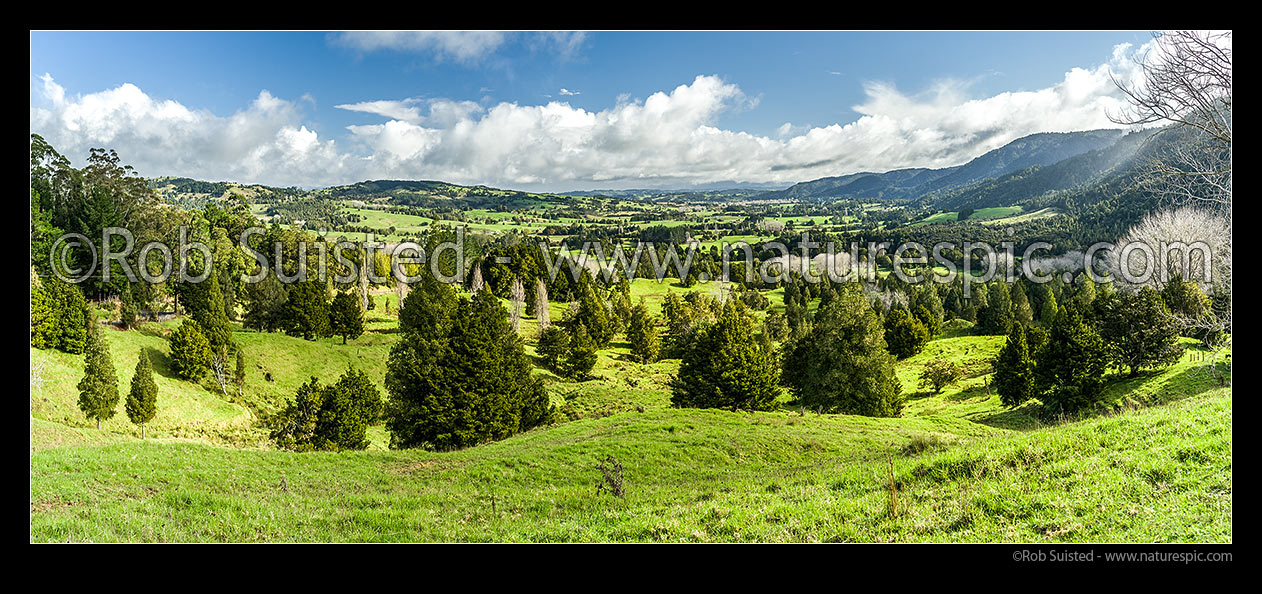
<point>161,363</point>
<point>1120,395</point>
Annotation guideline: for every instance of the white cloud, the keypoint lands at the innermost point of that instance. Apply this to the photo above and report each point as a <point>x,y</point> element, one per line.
<point>466,47</point>
<point>667,139</point>
<point>565,91</point>
<point>264,142</point>
<point>405,110</point>
<point>459,46</point>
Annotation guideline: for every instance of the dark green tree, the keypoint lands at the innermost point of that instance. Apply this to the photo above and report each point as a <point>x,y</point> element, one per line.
<point>306,311</point>
<point>191,353</point>
<point>349,407</point>
<point>142,400</point>
<point>98,390</point>
<point>204,303</point>
<point>1014,369</point>
<point>294,427</point>
<point>470,384</point>
<point>996,317</point>
<point>427,308</point>
<point>904,335</point>
<point>1185,298</point>
<point>580,356</point>
<point>725,366</point>
<point>1069,369</point>
<point>1047,312</point>
<point>1022,313</point>
<point>594,316</point>
<point>554,343</point>
<point>776,326</point>
<point>1139,330</point>
<point>127,311</point>
<point>265,304</point>
<point>642,334</point>
<point>843,364</point>
<point>932,323</point>
<point>345,317</point>
<point>60,316</point>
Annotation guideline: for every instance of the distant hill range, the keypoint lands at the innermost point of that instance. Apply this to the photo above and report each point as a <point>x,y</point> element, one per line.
<point>1028,171</point>
<point>1022,153</point>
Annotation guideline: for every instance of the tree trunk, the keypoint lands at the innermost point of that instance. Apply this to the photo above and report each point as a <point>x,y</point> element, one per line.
<point>98,423</point>
<point>142,431</point>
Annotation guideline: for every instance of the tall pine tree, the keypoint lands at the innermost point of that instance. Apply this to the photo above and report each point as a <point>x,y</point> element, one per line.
<point>1014,369</point>
<point>98,390</point>
<point>142,400</point>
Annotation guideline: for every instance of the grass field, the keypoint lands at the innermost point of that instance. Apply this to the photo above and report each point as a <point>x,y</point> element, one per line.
<point>1158,474</point>
<point>1155,466</point>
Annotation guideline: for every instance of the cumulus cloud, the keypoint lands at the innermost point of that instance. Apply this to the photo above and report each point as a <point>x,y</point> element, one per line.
<point>565,91</point>
<point>266,141</point>
<point>670,138</point>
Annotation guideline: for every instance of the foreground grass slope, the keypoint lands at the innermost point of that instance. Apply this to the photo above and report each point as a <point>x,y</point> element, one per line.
<point>1155,474</point>
<point>962,466</point>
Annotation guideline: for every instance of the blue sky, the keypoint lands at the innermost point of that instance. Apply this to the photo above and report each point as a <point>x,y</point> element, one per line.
<point>317,108</point>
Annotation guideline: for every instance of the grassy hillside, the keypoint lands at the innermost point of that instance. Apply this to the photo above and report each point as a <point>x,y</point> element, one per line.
<point>1155,466</point>
<point>1158,474</point>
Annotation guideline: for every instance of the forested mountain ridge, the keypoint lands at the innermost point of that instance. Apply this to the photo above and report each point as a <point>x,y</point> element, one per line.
<point>1033,150</point>
<point>1032,182</point>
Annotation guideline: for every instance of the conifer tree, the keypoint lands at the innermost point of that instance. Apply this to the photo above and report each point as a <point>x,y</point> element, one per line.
<point>932,323</point>
<point>726,366</point>
<point>1014,369</point>
<point>142,400</point>
<point>904,335</point>
<point>843,364</point>
<point>346,319</point>
<point>642,334</point>
<point>1022,313</point>
<point>1070,367</point>
<point>98,390</point>
<point>127,311</point>
<point>1049,309</point>
<point>467,383</point>
<point>204,303</point>
<point>306,310</point>
<point>554,342</point>
<point>996,317</point>
<point>191,354</point>
<point>580,356</point>
<point>593,316</point>
<point>1139,329</point>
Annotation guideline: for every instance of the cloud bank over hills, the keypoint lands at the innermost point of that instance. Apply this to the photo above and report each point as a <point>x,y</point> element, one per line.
<point>672,138</point>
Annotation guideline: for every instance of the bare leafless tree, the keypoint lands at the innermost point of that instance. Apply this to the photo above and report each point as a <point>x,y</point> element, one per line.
<point>363,283</point>
<point>518,299</point>
<point>219,367</point>
<point>1173,238</point>
<point>1186,82</point>
<point>477,283</point>
<point>1186,85</point>
<point>541,305</point>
